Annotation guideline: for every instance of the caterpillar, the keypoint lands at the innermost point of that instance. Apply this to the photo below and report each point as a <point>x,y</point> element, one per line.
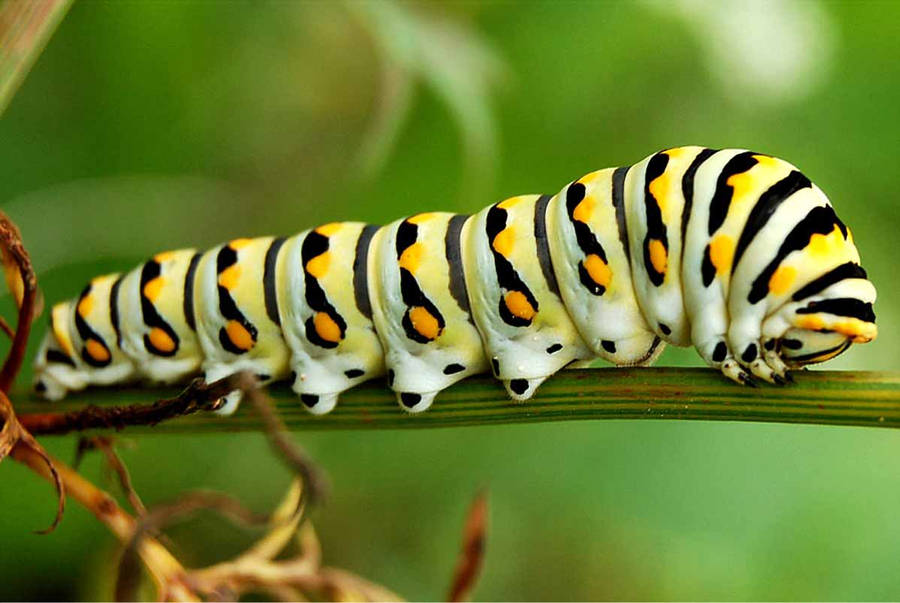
<point>732,252</point>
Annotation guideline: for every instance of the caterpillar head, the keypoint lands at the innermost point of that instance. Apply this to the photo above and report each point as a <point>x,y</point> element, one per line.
<point>827,323</point>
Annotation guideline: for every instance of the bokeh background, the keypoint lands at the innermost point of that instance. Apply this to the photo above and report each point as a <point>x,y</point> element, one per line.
<point>148,125</point>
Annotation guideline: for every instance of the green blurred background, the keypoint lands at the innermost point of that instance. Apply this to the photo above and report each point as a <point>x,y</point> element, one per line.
<point>147,125</point>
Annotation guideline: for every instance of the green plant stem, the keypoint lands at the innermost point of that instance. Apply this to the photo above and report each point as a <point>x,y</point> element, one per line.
<point>25,27</point>
<point>862,398</point>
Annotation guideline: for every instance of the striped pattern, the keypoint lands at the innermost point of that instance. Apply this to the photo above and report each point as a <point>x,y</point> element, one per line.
<point>677,248</point>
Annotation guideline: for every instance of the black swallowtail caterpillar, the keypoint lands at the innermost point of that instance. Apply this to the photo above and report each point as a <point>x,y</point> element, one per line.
<point>734,252</point>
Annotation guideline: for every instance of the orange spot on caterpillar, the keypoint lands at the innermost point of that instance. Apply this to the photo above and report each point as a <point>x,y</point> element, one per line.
<point>239,336</point>
<point>424,322</point>
<point>96,350</point>
<point>658,256</point>
<point>326,327</point>
<point>161,340</point>
<point>598,270</point>
<point>518,305</point>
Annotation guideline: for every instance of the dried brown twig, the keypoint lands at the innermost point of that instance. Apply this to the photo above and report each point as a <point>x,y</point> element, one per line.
<point>471,556</point>
<point>105,445</point>
<point>198,396</point>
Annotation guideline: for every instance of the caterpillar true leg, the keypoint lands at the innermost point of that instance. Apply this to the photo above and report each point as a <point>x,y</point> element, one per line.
<point>734,252</point>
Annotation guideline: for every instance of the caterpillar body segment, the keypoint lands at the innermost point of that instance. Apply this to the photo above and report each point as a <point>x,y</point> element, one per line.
<point>421,308</point>
<point>514,295</point>
<point>147,306</point>
<point>593,270</point>
<point>325,312</point>
<point>733,252</point>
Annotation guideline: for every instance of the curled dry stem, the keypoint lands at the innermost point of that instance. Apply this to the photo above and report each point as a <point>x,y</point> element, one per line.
<point>22,282</point>
<point>165,569</point>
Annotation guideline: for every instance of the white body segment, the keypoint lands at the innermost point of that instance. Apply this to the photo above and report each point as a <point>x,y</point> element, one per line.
<point>328,355</point>
<point>420,307</point>
<point>526,329</point>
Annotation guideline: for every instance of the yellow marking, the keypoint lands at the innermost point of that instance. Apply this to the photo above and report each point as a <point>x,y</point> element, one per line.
<point>424,323</point>
<point>782,279</point>
<point>813,323</point>
<point>659,188</point>
<point>511,202</point>
<point>327,230</point>
<point>57,319</point>
<point>161,340</point>
<point>598,270</point>
<point>518,305</point>
<point>153,288</point>
<point>679,152</point>
<point>747,182</point>
<point>504,242</point>
<point>239,243</point>
<point>411,258</point>
<point>229,277</point>
<point>585,209</point>
<point>421,218</point>
<point>825,245</point>
<point>85,305</point>
<point>96,350</point>
<point>318,266</point>
<point>721,253</point>
<point>589,178</point>
<point>658,256</point>
<point>238,335</point>
<point>326,327</point>
<point>857,330</point>
<point>165,256</point>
